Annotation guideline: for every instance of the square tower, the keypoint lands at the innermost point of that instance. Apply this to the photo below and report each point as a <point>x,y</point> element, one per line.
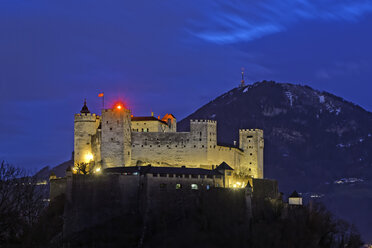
<point>116,144</point>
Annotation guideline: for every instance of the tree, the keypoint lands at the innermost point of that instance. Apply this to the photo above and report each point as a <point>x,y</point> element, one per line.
<point>85,168</point>
<point>21,202</point>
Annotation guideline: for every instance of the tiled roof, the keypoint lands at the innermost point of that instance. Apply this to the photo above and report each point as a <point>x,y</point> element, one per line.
<point>147,118</point>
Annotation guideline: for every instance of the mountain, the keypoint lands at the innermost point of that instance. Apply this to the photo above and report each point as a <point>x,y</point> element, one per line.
<point>59,170</point>
<point>315,142</point>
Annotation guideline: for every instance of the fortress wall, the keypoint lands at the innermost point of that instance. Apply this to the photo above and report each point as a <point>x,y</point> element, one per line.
<point>161,189</point>
<point>265,188</point>
<point>230,155</point>
<point>57,187</point>
<point>170,148</point>
<point>152,126</point>
<point>96,147</point>
<point>94,199</point>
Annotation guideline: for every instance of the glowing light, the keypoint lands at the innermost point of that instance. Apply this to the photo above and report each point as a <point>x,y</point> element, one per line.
<point>98,169</point>
<point>119,106</point>
<point>88,157</point>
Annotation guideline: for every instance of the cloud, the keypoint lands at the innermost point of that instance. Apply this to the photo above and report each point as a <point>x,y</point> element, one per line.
<point>246,21</point>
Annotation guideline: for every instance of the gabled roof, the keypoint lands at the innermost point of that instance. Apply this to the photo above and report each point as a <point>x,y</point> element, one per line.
<point>224,166</point>
<point>295,194</point>
<point>168,116</point>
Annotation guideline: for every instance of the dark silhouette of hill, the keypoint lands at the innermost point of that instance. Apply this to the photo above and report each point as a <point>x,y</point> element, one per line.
<point>313,139</point>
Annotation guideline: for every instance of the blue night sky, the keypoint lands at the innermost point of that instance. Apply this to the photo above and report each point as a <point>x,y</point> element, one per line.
<point>164,56</point>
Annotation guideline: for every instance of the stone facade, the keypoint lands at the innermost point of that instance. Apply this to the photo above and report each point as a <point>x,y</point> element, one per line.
<point>117,139</point>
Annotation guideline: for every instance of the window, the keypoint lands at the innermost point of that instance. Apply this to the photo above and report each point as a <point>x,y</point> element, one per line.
<point>128,153</point>
<point>155,175</point>
<point>178,186</point>
<point>203,146</point>
<point>163,175</point>
<point>209,176</point>
<point>194,176</point>
<point>110,128</point>
<point>106,122</point>
<point>228,173</point>
<point>202,176</point>
<point>171,175</point>
<point>178,175</point>
<point>117,122</point>
<point>194,186</point>
<point>112,139</point>
<point>208,187</point>
<point>250,154</point>
<point>142,129</point>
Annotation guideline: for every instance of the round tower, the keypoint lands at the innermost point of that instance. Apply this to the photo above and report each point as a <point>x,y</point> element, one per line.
<point>85,126</point>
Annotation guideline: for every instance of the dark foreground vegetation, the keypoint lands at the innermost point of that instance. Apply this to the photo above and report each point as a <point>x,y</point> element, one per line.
<point>210,222</point>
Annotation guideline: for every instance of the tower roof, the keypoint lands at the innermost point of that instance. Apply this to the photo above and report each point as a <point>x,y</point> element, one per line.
<point>84,109</point>
<point>295,194</point>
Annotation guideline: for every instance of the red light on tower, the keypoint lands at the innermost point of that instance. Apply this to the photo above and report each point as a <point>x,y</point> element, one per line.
<point>119,106</point>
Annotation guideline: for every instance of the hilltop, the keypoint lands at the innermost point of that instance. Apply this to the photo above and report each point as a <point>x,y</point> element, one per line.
<point>315,142</point>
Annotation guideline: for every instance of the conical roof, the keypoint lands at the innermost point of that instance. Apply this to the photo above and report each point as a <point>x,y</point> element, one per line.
<point>84,109</point>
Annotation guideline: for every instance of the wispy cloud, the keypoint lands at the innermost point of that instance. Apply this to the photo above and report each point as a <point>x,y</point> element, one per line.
<point>246,21</point>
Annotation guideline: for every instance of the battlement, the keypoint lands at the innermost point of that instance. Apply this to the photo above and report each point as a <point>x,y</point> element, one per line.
<point>86,117</point>
<point>251,130</point>
<point>203,121</point>
<point>112,110</point>
<point>86,114</point>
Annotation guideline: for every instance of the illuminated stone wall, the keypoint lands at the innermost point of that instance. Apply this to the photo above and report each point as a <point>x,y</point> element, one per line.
<point>85,125</point>
<point>116,144</point>
<point>116,138</point>
<point>149,126</point>
<point>251,141</point>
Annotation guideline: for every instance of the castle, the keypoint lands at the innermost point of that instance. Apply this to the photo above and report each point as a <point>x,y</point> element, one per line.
<point>119,139</point>
<point>137,165</point>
